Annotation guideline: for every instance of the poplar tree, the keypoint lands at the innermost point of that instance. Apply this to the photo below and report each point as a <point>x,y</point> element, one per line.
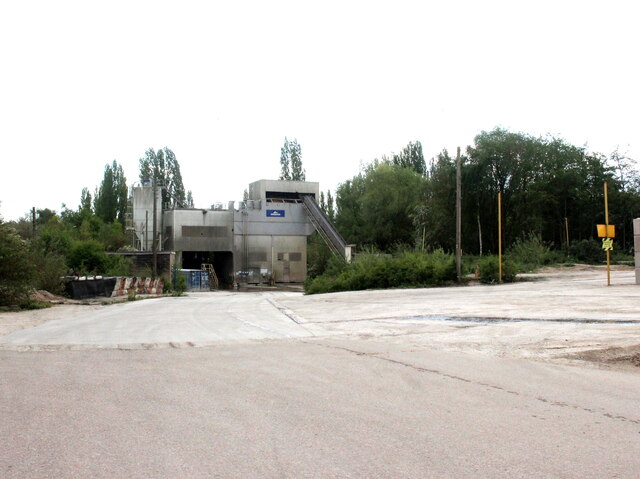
<point>291,161</point>
<point>285,155</point>
<point>110,203</point>
<point>162,168</point>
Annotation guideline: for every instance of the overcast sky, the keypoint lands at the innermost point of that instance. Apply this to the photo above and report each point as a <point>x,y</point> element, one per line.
<point>222,83</point>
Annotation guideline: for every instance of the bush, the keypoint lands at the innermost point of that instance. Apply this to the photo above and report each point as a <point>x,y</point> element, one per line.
<point>16,271</point>
<point>166,285</point>
<point>50,268</point>
<point>318,256</point>
<point>587,251</point>
<point>621,257</point>
<point>490,270</point>
<point>118,265</point>
<point>87,257</point>
<point>530,253</point>
<point>180,285</point>
<point>371,270</point>
<point>30,304</point>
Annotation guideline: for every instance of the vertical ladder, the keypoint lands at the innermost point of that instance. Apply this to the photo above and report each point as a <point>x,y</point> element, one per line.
<point>213,279</point>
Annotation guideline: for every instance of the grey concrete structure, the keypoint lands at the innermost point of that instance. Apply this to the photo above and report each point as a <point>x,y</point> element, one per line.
<point>260,239</point>
<point>143,215</point>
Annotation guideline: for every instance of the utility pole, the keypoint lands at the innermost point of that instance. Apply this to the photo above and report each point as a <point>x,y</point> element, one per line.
<point>500,236</point>
<point>458,217</point>
<point>154,246</point>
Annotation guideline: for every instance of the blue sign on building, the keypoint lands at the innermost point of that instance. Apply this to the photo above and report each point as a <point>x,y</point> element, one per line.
<point>275,213</point>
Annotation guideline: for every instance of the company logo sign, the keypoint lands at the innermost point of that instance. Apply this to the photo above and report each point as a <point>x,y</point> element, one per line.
<point>275,213</point>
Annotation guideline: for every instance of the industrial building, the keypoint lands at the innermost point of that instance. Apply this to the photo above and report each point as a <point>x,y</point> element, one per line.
<point>263,238</point>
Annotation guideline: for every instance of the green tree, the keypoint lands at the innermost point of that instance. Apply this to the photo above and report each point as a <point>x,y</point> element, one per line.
<point>43,216</point>
<point>546,184</point>
<point>291,161</point>
<point>111,198</point>
<point>375,207</point>
<point>434,215</point>
<point>285,161</point>
<point>16,270</point>
<point>87,257</point>
<point>349,220</point>
<point>411,157</point>
<point>55,238</point>
<point>331,213</point>
<point>162,167</point>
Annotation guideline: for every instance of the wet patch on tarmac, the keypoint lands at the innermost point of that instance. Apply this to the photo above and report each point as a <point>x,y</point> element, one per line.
<point>495,319</point>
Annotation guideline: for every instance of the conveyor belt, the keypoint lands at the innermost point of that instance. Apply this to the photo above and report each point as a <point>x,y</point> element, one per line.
<point>324,227</point>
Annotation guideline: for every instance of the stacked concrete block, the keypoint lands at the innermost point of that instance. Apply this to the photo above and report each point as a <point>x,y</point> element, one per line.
<point>636,247</point>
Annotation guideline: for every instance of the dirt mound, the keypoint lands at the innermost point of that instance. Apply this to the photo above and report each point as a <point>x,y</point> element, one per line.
<point>628,356</point>
<point>47,297</point>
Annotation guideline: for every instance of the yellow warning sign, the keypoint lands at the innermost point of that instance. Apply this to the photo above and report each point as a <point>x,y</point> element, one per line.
<point>606,231</point>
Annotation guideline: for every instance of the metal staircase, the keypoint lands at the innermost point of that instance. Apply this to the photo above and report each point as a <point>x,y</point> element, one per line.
<point>213,279</point>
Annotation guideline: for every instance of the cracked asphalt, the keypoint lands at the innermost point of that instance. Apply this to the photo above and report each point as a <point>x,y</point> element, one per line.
<point>400,383</point>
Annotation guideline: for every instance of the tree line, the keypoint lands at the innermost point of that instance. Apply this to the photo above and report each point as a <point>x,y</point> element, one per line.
<point>44,245</point>
<point>549,187</point>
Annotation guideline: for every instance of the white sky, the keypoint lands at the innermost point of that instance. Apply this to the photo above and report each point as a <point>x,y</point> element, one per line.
<point>222,83</point>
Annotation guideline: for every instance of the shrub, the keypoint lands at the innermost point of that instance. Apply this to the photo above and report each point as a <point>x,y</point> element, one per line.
<point>318,256</point>
<point>490,270</point>
<point>371,270</point>
<point>16,271</point>
<point>118,265</point>
<point>30,304</point>
<point>87,257</point>
<point>530,253</point>
<point>180,285</point>
<point>587,251</point>
<point>49,270</point>
<point>166,285</point>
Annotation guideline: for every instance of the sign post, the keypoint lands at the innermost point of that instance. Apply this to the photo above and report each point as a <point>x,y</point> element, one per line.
<point>607,232</point>
<point>500,236</point>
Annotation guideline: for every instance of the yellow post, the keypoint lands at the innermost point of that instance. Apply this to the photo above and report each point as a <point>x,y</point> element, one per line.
<point>606,221</point>
<point>500,236</point>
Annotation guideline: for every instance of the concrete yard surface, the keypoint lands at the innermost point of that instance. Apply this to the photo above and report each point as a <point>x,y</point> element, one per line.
<point>532,379</point>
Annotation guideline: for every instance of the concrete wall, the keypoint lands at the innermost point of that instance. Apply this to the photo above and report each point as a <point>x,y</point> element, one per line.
<point>273,219</point>
<point>143,262</point>
<point>199,230</point>
<point>284,257</point>
<point>258,189</point>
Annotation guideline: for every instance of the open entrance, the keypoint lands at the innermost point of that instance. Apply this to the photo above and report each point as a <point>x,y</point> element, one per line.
<point>287,197</point>
<point>222,262</point>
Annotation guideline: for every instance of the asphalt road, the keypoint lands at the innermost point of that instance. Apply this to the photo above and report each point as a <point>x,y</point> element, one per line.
<point>312,408</point>
<point>354,385</point>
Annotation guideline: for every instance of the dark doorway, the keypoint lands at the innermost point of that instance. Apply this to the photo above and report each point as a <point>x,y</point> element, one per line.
<point>222,264</point>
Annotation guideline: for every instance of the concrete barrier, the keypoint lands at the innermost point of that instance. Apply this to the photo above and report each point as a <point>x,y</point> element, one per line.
<point>130,285</point>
